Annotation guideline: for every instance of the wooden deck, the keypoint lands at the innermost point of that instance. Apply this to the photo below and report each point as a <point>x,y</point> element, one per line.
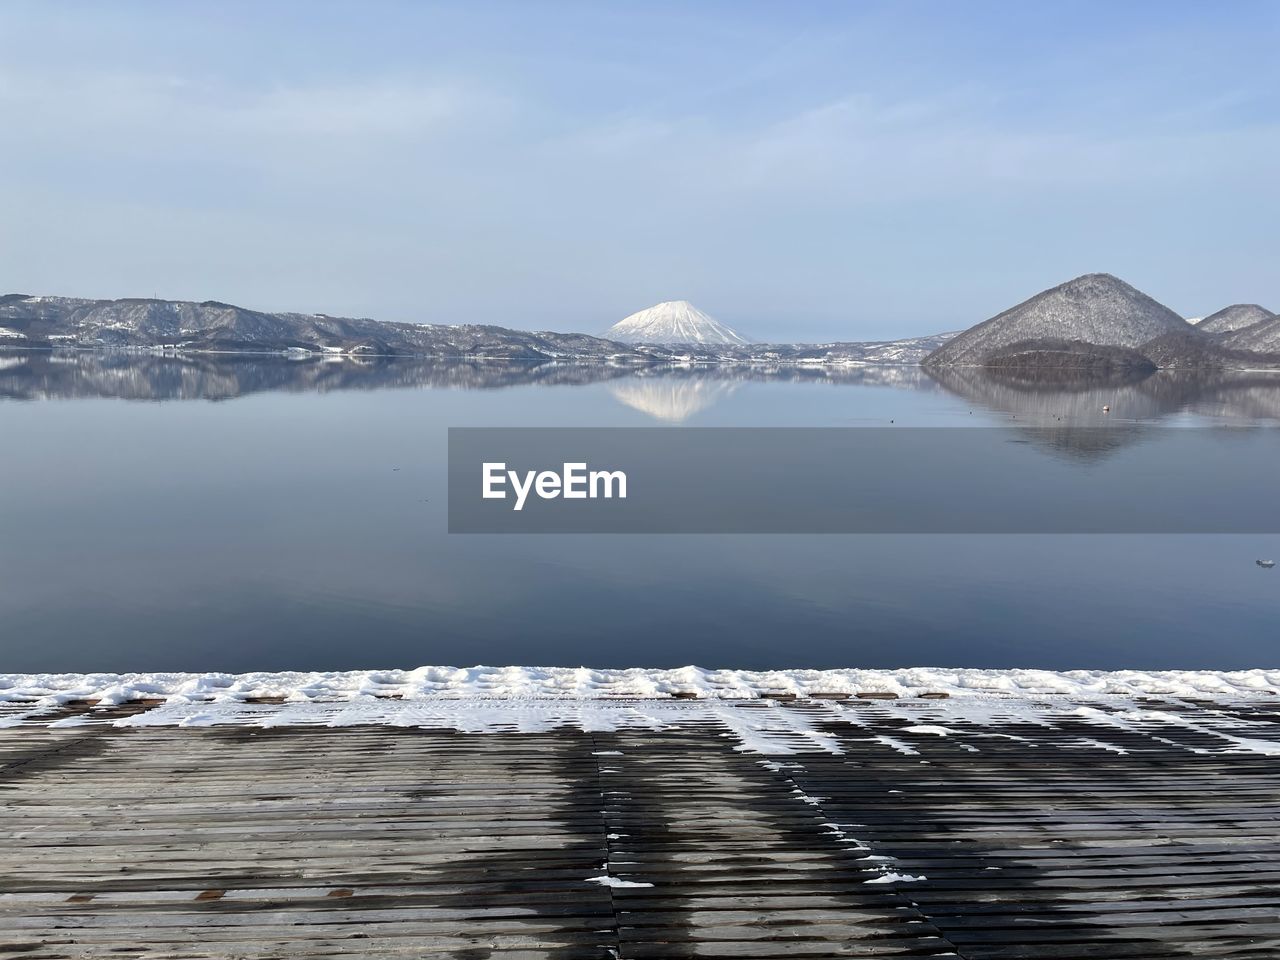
<point>382,841</point>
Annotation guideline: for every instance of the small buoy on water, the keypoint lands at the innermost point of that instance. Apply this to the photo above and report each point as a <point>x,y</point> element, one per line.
<point>1106,408</point>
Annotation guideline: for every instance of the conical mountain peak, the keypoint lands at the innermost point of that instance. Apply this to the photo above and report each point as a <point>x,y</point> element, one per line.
<point>674,321</point>
<point>1096,308</point>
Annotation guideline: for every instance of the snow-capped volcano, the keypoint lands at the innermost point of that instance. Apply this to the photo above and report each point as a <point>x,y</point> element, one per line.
<point>674,321</point>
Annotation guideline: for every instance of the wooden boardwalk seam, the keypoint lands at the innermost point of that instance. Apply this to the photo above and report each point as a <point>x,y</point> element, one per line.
<point>306,841</point>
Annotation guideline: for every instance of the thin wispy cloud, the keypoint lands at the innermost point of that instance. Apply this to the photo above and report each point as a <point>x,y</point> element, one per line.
<point>119,105</point>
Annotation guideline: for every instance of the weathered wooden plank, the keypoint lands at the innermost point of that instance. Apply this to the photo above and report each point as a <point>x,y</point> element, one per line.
<point>377,841</point>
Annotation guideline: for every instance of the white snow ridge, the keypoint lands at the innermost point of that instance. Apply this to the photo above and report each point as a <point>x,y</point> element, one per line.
<point>674,321</point>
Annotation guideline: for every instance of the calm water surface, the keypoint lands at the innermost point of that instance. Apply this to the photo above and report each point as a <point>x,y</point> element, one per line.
<point>236,515</point>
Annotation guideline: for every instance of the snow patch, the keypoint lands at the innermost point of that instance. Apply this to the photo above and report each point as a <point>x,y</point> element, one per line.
<point>896,878</point>
<point>1002,691</point>
<point>741,706</point>
<point>608,881</point>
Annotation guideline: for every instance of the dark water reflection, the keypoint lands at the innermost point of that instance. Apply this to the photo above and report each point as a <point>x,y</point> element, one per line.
<point>665,392</point>
<point>43,375</point>
<point>303,526</point>
<point>1219,394</point>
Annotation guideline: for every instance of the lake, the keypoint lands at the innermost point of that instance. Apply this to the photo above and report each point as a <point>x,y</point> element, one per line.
<point>233,514</point>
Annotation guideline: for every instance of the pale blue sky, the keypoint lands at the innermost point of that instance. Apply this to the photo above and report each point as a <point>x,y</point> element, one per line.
<point>800,170</point>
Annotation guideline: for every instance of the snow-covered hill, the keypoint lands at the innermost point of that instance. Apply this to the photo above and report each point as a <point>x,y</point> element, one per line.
<point>1263,337</point>
<point>188,327</point>
<point>1235,317</point>
<point>213,326</point>
<point>1094,309</point>
<point>674,321</point>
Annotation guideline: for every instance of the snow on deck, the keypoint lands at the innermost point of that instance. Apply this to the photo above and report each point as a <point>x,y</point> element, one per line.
<point>768,713</point>
<point>1109,821</point>
<point>583,683</point>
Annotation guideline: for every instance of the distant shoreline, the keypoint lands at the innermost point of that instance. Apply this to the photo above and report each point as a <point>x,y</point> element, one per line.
<point>300,354</point>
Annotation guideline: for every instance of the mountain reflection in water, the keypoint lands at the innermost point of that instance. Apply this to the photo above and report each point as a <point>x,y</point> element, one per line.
<point>1130,407</point>
<point>305,524</point>
<point>1224,394</point>
<point>670,399</point>
<point>667,393</point>
<point>42,375</point>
